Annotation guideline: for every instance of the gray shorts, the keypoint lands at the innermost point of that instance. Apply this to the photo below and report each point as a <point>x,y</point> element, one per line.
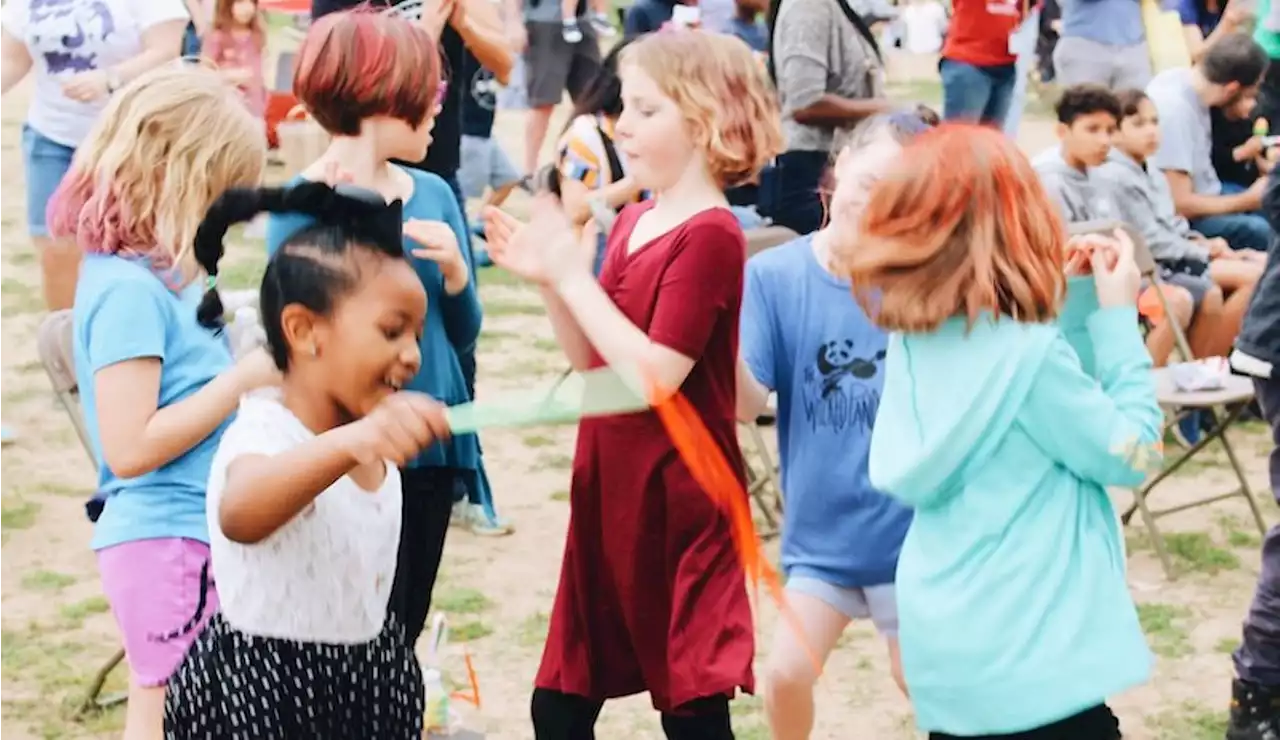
<point>1078,61</point>
<point>553,65</point>
<point>879,603</point>
<point>484,165</point>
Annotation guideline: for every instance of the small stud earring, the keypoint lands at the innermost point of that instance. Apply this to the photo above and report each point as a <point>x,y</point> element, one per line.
<point>314,352</point>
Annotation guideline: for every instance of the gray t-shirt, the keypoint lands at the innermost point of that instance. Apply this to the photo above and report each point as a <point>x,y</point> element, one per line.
<point>1080,195</point>
<point>1146,204</point>
<point>1186,130</point>
<point>818,51</point>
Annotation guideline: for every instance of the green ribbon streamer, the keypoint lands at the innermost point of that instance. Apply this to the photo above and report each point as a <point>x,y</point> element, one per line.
<point>575,396</point>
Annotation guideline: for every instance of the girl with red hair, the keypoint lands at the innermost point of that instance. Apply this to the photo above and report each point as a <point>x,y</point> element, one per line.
<point>1005,415</point>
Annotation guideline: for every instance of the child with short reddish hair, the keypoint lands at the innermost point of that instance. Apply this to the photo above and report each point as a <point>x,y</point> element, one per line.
<point>652,596</point>
<point>372,80</point>
<point>1014,615</point>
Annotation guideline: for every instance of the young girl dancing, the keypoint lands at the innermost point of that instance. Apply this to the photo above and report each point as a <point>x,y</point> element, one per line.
<point>157,387</point>
<point>1014,615</point>
<point>804,338</point>
<point>651,594</point>
<point>236,45</point>
<point>386,113</point>
<point>304,507</point>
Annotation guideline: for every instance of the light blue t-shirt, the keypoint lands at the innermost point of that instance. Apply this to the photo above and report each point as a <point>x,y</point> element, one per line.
<point>123,311</point>
<point>1186,130</point>
<point>1013,607</point>
<point>1111,22</point>
<point>804,336</point>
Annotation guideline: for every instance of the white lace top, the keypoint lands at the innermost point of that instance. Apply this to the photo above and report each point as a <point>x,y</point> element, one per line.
<point>325,576</point>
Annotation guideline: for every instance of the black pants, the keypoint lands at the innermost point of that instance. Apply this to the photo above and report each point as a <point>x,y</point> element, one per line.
<point>790,192</point>
<point>559,716</point>
<point>1258,657</point>
<point>1098,723</point>
<point>428,502</point>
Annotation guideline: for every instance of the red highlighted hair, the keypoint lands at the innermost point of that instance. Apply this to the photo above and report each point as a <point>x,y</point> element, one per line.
<point>361,63</point>
<point>961,227</point>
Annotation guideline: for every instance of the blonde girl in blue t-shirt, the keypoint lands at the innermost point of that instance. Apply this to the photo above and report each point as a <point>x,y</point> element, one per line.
<point>157,387</point>
<point>803,338</point>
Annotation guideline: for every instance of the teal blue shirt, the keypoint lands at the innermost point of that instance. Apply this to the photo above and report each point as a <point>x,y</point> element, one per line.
<point>453,322</point>
<point>123,311</point>
<point>1013,607</point>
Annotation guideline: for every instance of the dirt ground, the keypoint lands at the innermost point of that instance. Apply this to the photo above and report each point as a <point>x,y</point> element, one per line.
<point>497,592</point>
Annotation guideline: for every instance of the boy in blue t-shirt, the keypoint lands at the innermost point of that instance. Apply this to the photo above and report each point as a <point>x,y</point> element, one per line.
<point>805,338</point>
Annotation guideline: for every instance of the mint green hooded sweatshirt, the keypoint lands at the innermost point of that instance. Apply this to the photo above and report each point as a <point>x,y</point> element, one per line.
<point>1013,607</point>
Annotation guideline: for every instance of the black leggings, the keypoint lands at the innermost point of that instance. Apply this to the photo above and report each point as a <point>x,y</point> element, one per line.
<point>559,716</point>
<point>1098,723</point>
<point>428,503</point>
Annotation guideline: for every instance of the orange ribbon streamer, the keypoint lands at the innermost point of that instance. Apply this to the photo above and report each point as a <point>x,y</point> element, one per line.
<point>712,471</point>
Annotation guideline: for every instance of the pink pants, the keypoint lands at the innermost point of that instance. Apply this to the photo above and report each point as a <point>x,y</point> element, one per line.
<point>162,594</point>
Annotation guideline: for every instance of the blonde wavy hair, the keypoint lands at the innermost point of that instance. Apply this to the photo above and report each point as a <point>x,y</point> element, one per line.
<point>724,93</point>
<point>167,145</point>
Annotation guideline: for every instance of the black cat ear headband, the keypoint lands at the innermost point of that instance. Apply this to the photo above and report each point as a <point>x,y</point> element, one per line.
<point>362,212</point>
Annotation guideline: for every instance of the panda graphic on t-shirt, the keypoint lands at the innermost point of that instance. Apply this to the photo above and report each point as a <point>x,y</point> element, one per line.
<point>838,389</point>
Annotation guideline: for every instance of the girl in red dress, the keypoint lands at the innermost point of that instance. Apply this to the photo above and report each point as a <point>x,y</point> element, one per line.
<point>652,596</point>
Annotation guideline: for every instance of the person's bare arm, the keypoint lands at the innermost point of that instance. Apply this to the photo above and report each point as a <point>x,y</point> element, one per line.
<point>1195,205</point>
<point>569,335</point>
<point>576,197</point>
<point>161,43</point>
<point>833,110</point>
<point>480,25</point>
<point>753,397</point>
<point>138,437</point>
<point>263,493</point>
<point>16,61</point>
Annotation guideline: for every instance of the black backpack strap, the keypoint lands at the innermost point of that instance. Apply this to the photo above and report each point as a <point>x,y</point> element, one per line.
<point>611,154</point>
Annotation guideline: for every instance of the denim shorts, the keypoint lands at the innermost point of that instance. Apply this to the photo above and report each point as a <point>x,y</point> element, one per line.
<point>46,162</point>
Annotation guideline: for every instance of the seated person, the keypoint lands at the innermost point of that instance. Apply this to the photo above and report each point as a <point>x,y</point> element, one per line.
<point>1229,70</point>
<point>1088,116</point>
<point>1186,258</point>
<point>1240,156</point>
<point>1087,119</point>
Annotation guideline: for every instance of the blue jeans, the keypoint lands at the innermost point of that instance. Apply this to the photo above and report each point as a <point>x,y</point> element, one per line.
<point>1241,230</point>
<point>1025,41</point>
<point>46,162</point>
<point>191,43</point>
<point>972,93</point>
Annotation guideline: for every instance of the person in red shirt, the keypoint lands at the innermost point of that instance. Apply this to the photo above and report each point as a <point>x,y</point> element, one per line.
<point>978,70</point>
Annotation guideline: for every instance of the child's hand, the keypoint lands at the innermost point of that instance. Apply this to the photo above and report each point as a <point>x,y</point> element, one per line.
<point>546,250</point>
<point>499,226</point>
<point>398,429</point>
<point>1115,273</point>
<point>256,370</point>
<point>440,245</point>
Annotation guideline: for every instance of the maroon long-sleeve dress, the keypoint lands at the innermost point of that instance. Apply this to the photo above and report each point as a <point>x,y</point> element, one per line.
<point>652,596</point>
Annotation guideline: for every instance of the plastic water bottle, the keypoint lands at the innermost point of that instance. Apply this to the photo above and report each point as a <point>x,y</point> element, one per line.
<point>436,717</point>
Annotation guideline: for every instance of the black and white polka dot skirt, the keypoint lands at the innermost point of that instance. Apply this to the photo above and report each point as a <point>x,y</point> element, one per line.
<point>234,686</point>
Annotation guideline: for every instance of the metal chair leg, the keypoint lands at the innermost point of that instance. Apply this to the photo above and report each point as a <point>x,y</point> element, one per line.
<point>91,701</point>
<point>1157,539</point>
